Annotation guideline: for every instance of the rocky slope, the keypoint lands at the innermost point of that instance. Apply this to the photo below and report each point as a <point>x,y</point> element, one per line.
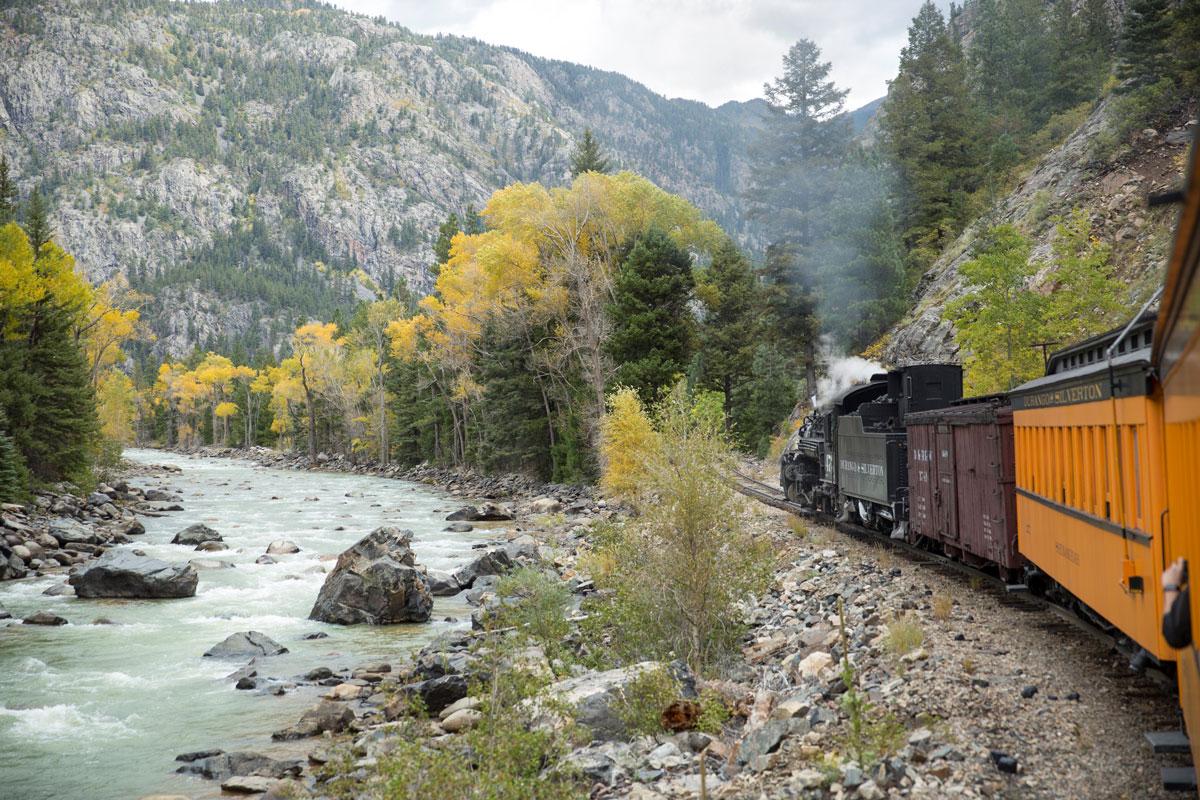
<point>256,162</point>
<point>1069,176</point>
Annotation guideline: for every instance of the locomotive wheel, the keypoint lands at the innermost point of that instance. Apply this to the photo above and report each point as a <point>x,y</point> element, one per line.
<point>792,492</point>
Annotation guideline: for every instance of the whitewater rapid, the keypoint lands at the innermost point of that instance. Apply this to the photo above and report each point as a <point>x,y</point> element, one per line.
<point>99,711</point>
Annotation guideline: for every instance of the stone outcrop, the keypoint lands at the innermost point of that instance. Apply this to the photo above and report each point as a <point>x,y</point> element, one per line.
<point>328,715</point>
<point>1067,177</point>
<point>121,573</point>
<point>375,582</point>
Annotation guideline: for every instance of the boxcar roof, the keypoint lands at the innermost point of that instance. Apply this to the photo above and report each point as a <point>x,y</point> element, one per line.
<point>983,410</point>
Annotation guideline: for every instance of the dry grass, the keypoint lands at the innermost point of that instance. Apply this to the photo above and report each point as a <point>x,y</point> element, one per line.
<point>885,558</point>
<point>968,666</point>
<point>903,635</point>
<point>942,606</point>
<point>798,527</point>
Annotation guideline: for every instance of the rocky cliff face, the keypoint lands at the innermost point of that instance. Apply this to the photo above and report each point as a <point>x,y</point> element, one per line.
<point>1070,176</point>
<point>283,157</point>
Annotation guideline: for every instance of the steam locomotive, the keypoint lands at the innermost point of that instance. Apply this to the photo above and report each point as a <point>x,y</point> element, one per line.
<point>851,459</point>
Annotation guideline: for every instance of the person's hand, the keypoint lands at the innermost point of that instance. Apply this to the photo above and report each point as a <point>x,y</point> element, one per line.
<point>1173,575</point>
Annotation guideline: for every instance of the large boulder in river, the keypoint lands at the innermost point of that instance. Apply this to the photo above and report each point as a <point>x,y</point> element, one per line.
<point>121,573</point>
<point>377,582</point>
<point>214,764</point>
<point>196,534</point>
<point>245,644</point>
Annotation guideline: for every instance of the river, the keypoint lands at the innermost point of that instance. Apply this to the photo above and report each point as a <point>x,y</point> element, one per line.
<point>100,711</point>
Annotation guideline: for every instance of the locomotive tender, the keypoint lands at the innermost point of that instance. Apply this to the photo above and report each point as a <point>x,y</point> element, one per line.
<point>1082,482</point>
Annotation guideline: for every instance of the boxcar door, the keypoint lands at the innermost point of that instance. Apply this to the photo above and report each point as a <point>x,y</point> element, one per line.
<point>945,516</point>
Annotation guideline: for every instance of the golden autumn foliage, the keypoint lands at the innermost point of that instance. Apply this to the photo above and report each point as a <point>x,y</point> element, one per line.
<point>627,444</point>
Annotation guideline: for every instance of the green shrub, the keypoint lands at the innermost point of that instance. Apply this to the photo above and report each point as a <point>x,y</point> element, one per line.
<point>677,573</point>
<point>536,606</point>
<point>713,712</point>
<point>640,704</point>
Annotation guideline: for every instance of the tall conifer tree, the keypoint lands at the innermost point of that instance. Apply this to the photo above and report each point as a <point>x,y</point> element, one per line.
<point>588,157</point>
<point>651,339</point>
<point>8,193</point>
<point>931,132</point>
<point>731,328</point>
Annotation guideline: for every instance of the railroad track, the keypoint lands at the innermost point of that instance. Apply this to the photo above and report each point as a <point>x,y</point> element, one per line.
<point>1013,597</point>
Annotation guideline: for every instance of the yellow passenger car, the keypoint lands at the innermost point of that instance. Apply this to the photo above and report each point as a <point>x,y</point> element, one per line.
<point>1090,493</point>
<point>1177,359</point>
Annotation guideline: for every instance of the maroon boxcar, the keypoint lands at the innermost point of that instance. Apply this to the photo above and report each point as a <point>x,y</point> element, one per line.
<point>961,483</point>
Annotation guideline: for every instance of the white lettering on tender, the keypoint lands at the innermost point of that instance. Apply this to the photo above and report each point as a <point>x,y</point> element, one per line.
<point>862,469</point>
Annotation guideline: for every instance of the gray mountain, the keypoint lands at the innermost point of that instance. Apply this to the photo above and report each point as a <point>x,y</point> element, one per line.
<point>252,163</point>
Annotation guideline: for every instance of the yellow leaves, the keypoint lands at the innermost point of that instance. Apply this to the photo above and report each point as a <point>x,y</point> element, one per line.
<point>19,285</point>
<point>404,338</point>
<point>225,410</point>
<point>627,442</point>
<point>519,209</point>
<point>115,398</point>
<point>27,279</point>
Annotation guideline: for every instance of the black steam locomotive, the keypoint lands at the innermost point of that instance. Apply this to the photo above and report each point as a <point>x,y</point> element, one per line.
<point>850,458</point>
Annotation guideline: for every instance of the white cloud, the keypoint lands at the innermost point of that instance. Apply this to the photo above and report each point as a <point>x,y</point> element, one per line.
<point>709,50</point>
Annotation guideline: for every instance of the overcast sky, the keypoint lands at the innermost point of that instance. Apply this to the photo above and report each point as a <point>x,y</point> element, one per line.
<point>709,50</point>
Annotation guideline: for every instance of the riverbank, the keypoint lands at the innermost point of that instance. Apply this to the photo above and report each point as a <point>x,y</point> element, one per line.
<point>60,530</point>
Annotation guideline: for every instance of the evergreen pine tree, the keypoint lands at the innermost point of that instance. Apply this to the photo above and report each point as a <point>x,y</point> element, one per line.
<point>472,222</point>
<point>930,129</point>
<point>1145,55</point>
<point>587,156</point>
<point>1185,47</point>
<point>651,325</point>
<point>733,322</point>
<point>37,225</point>
<point>765,400</point>
<point>792,305</point>
<point>8,194</point>
<point>795,159</point>
<point>441,246</point>
<point>516,430</point>
<point>14,479</point>
<point>48,398</point>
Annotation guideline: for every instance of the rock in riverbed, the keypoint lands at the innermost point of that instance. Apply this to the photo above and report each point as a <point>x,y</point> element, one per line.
<point>121,573</point>
<point>281,547</point>
<point>44,618</point>
<point>376,582</point>
<point>325,716</point>
<point>488,512</point>
<point>245,644</point>
<point>215,765</point>
<point>196,534</point>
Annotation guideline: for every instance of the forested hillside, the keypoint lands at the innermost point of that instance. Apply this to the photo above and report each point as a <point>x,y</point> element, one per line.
<point>997,201</point>
<point>250,165</point>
